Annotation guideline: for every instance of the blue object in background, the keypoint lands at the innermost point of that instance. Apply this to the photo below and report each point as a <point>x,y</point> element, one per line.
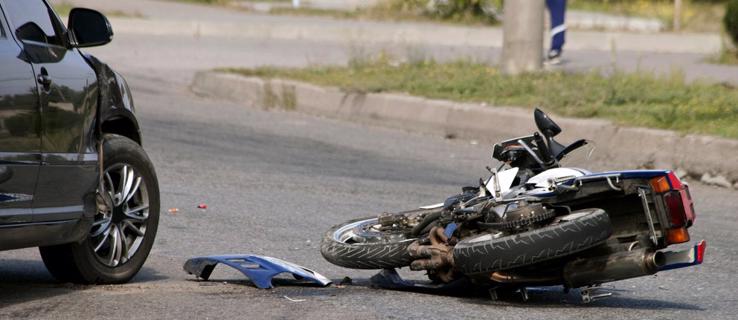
<point>557,8</point>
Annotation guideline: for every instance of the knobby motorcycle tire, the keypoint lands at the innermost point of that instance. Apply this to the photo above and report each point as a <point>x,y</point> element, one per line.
<point>482,255</point>
<point>380,255</point>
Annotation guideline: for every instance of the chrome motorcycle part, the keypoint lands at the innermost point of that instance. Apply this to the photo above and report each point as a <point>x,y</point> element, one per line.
<point>525,215</point>
<point>649,217</point>
<point>543,180</point>
<point>436,257</point>
<point>593,293</point>
<point>361,244</point>
<point>504,277</point>
<point>617,266</point>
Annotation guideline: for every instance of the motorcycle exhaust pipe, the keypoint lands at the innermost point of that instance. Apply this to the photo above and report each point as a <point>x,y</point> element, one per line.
<point>618,266</point>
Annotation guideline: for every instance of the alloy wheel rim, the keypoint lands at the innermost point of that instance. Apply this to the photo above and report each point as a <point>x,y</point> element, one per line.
<point>366,232</point>
<point>119,226</point>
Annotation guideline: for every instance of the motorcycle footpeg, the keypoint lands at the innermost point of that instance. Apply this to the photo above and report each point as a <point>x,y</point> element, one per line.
<point>592,294</point>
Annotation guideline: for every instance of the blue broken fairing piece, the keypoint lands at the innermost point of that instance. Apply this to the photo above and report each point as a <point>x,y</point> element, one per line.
<point>450,228</point>
<point>259,269</point>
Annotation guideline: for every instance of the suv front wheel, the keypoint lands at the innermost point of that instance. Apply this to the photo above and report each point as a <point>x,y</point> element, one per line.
<point>124,227</point>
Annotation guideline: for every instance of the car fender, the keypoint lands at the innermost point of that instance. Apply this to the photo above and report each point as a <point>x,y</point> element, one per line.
<point>115,103</point>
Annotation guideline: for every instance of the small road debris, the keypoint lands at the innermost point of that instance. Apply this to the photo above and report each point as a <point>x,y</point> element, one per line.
<point>346,281</point>
<point>294,300</point>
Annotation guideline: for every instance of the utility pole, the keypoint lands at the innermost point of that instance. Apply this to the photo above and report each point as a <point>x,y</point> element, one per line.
<point>677,25</point>
<point>522,48</point>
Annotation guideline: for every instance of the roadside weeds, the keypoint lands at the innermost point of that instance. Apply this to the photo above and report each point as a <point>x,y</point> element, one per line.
<point>638,99</point>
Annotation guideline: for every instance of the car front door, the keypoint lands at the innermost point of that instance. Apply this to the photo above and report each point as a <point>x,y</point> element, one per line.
<point>68,98</point>
<point>20,131</point>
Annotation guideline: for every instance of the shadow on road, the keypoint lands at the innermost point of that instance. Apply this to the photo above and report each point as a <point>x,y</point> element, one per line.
<point>548,297</point>
<point>554,297</point>
<point>21,271</point>
<point>24,281</point>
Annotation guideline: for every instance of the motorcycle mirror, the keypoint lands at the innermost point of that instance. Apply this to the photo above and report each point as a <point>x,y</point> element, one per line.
<point>548,127</point>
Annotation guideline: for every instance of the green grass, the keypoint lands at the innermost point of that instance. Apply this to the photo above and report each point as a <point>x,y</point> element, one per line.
<point>697,16</point>
<point>230,2</point>
<point>389,10</point>
<point>726,56</point>
<point>206,1</point>
<point>398,10</point>
<point>317,12</point>
<point>63,8</point>
<point>385,10</point>
<point>630,99</point>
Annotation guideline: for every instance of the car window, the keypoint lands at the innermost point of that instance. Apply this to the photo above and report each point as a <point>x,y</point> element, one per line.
<point>22,12</point>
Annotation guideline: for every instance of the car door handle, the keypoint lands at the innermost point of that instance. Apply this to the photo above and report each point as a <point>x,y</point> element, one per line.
<point>44,79</point>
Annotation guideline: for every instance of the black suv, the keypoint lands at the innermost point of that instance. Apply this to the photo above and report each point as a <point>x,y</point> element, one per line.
<point>74,179</point>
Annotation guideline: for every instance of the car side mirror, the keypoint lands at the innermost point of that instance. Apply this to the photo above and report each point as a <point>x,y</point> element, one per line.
<point>548,127</point>
<point>89,28</point>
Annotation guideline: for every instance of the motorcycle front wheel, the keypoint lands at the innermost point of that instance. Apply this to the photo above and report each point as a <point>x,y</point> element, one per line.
<point>359,244</point>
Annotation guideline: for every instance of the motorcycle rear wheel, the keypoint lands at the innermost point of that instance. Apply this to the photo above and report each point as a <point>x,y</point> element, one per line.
<point>578,231</point>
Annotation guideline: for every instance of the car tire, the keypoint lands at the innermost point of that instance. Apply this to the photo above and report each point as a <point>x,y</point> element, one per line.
<point>82,262</point>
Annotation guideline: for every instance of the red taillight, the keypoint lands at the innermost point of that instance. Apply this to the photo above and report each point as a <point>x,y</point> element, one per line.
<point>679,206</point>
<point>675,205</point>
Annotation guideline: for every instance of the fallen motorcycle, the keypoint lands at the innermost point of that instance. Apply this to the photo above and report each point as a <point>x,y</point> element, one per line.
<point>533,223</point>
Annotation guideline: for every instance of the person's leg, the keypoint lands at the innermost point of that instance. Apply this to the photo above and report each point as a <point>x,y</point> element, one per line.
<point>557,8</point>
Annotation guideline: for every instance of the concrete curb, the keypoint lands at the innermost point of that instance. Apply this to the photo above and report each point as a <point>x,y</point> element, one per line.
<point>617,147</point>
<point>575,19</point>
<point>595,20</point>
<point>405,33</point>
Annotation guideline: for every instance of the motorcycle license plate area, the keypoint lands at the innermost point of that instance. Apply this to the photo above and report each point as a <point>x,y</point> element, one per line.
<point>684,258</point>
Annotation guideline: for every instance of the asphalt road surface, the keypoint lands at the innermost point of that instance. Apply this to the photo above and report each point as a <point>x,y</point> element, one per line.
<point>275,181</point>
